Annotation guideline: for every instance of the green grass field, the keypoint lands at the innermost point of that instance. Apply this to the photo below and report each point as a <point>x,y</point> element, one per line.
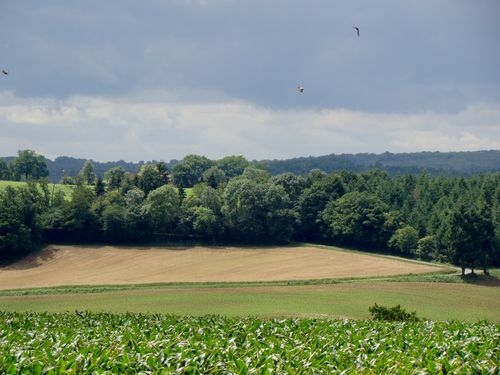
<point>66,189</point>
<point>431,300</point>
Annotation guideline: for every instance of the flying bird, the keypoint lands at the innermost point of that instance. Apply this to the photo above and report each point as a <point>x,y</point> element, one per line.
<point>300,89</point>
<point>5,71</point>
<point>357,29</point>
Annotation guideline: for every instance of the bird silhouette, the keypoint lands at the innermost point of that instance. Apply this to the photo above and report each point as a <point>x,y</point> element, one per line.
<point>300,89</point>
<point>5,71</point>
<point>357,29</point>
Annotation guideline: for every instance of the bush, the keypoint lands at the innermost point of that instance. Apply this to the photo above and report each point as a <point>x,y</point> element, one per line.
<point>392,314</point>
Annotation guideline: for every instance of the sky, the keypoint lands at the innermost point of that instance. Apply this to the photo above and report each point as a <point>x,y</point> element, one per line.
<point>158,80</point>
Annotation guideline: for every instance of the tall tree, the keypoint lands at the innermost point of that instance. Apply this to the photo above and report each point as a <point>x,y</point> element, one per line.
<point>162,209</point>
<point>404,241</point>
<point>152,176</point>
<point>114,177</point>
<point>87,173</point>
<point>189,171</point>
<point>472,241</point>
<point>257,212</point>
<point>4,170</point>
<point>30,165</point>
<point>357,219</point>
<point>233,165</point>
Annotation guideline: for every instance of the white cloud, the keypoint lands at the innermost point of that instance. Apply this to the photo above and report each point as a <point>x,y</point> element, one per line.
<point>159,125</point>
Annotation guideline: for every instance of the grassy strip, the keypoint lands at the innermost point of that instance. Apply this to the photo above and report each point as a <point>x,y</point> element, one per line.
<point>66,189</point>
<point>444,276</point>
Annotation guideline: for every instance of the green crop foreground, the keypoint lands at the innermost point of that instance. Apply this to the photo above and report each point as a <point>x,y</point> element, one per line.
<point>136,343</point>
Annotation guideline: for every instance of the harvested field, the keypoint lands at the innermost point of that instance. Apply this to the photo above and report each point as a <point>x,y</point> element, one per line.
<point>89,265</point>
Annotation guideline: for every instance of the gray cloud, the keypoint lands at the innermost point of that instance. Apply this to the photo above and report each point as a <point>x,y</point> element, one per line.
<point>161,79</point>
<point>411,56</point>
<point>155,126</point>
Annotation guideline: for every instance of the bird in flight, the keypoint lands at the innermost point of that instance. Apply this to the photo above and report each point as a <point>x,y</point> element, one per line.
<point>357,29</point>
<point>300,89</point>
<point>5,71</point>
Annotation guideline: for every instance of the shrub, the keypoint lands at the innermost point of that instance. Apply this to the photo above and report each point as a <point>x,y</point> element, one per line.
<point>392,314</point>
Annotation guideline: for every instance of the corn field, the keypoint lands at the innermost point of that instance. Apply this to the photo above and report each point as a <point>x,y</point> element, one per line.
<point>95,343</point>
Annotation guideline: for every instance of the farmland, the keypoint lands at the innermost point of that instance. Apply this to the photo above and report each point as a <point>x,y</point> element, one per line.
<point>436,301</point>
<point>240,310</point>
<point>295,281</point>
<point>98,265</point>
<point>118,343</point>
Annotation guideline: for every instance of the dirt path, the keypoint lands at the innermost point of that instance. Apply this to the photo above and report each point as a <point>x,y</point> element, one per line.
<point>77,265</point>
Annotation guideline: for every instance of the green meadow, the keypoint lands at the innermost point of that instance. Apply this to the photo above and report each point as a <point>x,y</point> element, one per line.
<point>66,189</point>
<point>431,300</point>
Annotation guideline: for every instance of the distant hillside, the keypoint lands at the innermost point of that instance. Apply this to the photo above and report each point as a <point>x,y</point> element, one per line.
<point>435,163</point>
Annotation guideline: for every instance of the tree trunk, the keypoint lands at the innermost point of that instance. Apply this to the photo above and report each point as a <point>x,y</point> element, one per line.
<point>463,271</point>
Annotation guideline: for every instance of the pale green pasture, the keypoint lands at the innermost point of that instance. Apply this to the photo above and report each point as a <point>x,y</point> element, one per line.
<point>53,188</point>
<point>431,300</point>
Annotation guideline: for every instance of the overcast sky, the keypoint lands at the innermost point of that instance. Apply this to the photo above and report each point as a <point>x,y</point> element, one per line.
<point>151,79</point>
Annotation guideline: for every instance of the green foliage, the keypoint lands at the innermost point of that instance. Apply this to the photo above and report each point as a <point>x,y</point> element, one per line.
<point>5,173</point>
<point>357,218</point>
<point>99,188</point>
<point>436,163</point>
<point>410,215</point>
<point>427,248</point>
<point>30,165</point>
<point>114,177</point>
<point>87,343</point>
<point>87,173</point>
<point>214,177</point>
<point>472,241</point>
<point>255,211</point>
<point>404,241</point>
<point>81,221</point>
<point>233,165</point>
<point>152,176</point>
<point>392,314</point>
<point>162,210</point>
<point>189,171</point>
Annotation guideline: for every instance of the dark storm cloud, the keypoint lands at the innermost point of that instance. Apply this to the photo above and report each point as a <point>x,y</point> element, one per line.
<point>411,56</point>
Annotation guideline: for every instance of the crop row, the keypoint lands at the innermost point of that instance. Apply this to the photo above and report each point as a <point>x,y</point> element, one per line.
<point>137,343</point>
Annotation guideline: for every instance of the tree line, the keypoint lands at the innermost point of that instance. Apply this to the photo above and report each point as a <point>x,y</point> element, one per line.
<point>449,219</point>
<point>434,163</point>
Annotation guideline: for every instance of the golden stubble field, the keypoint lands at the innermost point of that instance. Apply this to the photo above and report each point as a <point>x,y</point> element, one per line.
<point>99,265</point>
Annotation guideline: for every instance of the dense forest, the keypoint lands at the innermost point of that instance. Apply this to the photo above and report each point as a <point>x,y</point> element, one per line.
<point>433,163</point>
<point>443,218</point>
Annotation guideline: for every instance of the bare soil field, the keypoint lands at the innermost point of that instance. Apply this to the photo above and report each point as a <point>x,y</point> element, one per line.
<point>99,265</point>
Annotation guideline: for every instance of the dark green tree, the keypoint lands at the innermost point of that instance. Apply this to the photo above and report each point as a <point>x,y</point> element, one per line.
<point>162,210</point>
<point>214,177</point>
<point>189,171</point>
<point>4,171</point>
<point>233,166</point>
<point>87,173</point>
<point>357,219</point>
<point>114,177</point>
<point>151,177</point>
<point>30,165</point>
<point>99,188</point>
<point>472,241</point>
<point>257,212</point>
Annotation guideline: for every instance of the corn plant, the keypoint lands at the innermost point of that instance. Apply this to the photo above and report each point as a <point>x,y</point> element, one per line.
<point>95,343</point>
